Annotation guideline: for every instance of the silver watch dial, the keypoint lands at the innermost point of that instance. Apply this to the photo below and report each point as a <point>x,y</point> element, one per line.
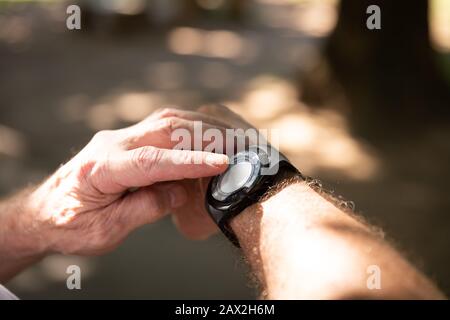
<point>242,172</point>
<point>236,177</point>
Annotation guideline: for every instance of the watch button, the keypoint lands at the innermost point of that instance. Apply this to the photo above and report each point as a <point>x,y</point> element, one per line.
<point>264,159</point>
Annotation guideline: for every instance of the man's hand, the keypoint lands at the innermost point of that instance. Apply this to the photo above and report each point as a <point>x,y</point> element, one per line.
<point>121,180</point>
<point>192,220</point>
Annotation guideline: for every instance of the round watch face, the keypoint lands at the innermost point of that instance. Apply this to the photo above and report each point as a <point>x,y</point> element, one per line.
<point>241,173</point>
<point>249,175</point>
<point>236,177</point>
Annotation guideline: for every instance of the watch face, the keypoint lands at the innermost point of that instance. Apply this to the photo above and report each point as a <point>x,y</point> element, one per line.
<point>249,175</point>
<point>236,177</point>
<point>241,174</point>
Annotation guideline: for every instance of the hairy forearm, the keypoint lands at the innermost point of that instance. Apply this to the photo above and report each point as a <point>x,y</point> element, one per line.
<point>303,247</point>
<point>19,243</point>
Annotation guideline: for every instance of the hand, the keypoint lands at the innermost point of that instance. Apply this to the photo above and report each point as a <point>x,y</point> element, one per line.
<point>193,220</point>
<point>121,180</point>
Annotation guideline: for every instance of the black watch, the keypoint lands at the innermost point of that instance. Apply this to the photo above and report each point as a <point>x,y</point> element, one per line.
<point>249,176</point>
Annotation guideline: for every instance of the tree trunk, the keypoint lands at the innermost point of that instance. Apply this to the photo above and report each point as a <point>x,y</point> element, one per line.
<point>388,74</point>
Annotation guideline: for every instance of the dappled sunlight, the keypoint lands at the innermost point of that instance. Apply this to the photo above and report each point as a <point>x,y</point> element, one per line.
<point>210,4</point>
<point>223,44</point>
<point>440,24</point>
<point>123,107</point>
<point>128,7</point>
<point>315,140</point>
<point>109,111</point>
<point>15,29</point>
<point>12,142</point>
<point>135,106</point>
<point>315,18</point>
<point>184,40</point>
<point>267,97</point>
<point>269,61</point>
<point>213,44</point>
<point>101,116</point>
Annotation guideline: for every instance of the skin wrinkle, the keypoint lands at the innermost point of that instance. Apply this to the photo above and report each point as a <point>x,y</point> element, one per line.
<point>291,239</point>
<point>86,208</point>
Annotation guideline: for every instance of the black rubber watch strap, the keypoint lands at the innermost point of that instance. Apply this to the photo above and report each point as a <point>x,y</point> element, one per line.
<point>286,171</point>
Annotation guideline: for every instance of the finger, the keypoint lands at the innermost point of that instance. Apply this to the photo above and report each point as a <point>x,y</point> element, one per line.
<point>148,165</point>
<point>188,115</point>
<point>192,220</point>
<point>173,132</point>
<point>215,114</point>
<point>150,204</point>
<point>253,135</point>
<point>231,118</point>
<point>195,227</point>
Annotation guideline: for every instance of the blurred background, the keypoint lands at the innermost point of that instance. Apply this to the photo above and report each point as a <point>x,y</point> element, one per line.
<point>365,111</point>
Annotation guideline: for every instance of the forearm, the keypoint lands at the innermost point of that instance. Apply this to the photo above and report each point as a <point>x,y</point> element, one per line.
<point>301,246</point>
<point>19,243</point>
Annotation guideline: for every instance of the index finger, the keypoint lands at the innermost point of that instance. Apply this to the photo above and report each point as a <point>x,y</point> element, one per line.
<point>148,165</point>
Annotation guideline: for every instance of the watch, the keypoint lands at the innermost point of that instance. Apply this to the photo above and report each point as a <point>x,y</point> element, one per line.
<point>250,174</point>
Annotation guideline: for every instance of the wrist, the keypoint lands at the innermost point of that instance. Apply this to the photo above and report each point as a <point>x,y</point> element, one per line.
<point>20,243</point>
<point>259,229</point>
<point>25,235</point>
<point>247,225</point>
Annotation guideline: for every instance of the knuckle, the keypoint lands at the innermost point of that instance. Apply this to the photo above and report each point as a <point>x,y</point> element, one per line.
<point>171,123</point>
<point>103,135</point>
<point>104,139</point>
<point>140,158</point>
<point>166,112</point>
<point>144,159</point>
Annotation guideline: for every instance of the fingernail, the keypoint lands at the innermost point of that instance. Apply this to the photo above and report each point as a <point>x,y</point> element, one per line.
<point>178,196</point>
<point>216,159</point>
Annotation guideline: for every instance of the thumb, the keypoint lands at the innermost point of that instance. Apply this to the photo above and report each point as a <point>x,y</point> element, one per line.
<point>149,204</point>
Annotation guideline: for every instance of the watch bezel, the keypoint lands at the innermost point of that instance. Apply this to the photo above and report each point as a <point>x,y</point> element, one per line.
<point>216,191</point>
<point>222,211</point>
